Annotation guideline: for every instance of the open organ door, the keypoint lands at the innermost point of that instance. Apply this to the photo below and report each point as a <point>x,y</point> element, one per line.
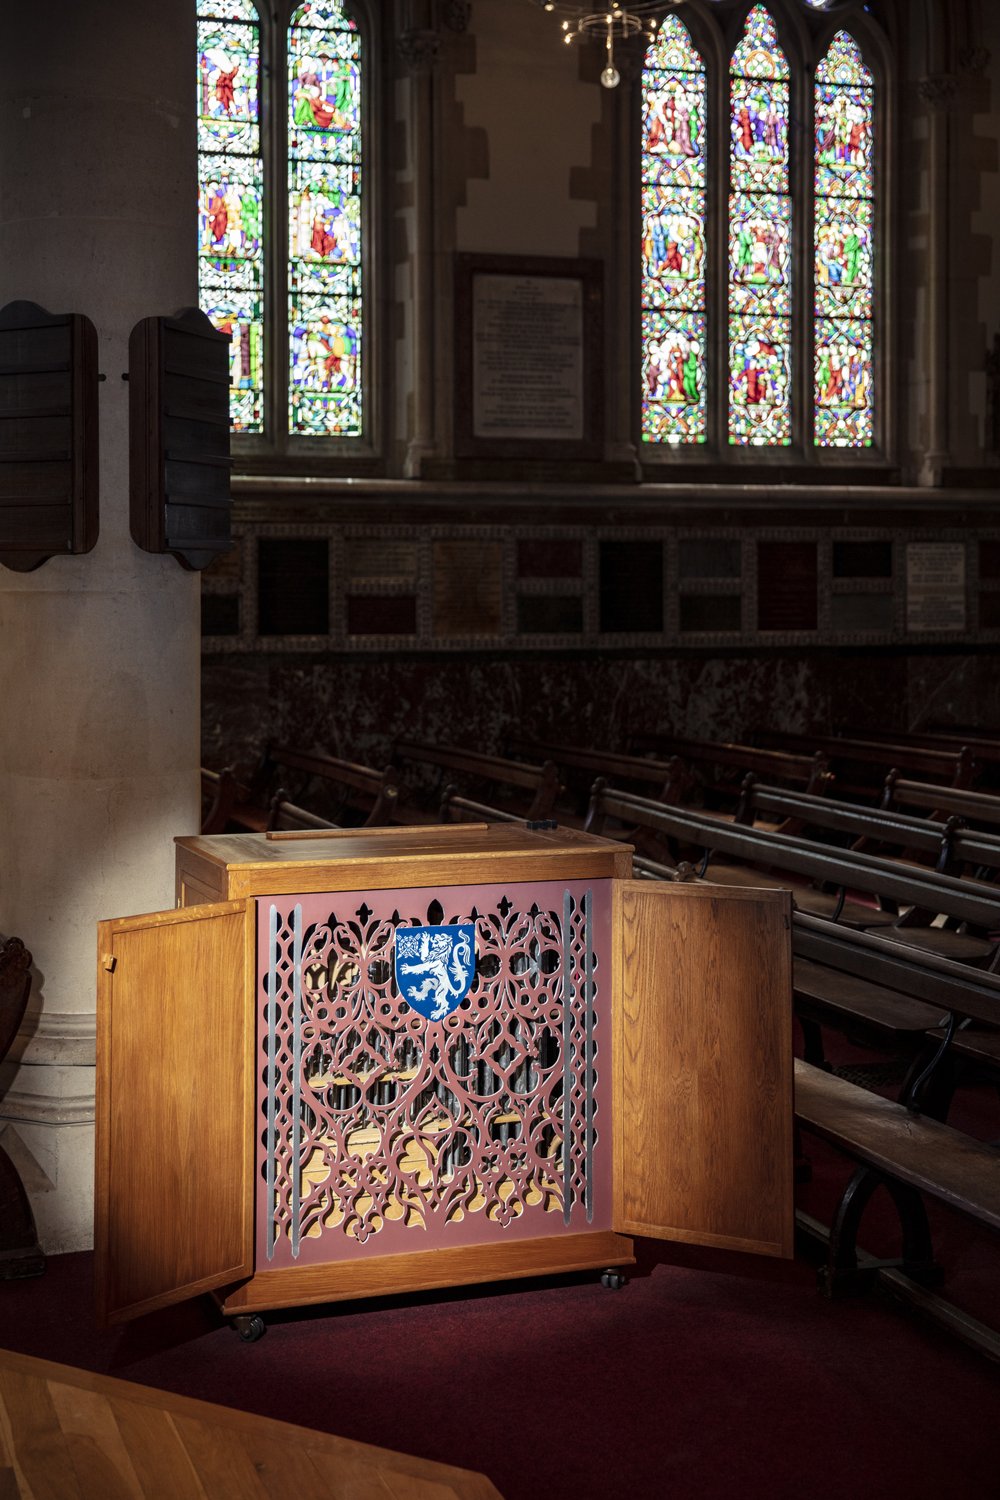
<point>703,1070</point>
<point>175,1097</point>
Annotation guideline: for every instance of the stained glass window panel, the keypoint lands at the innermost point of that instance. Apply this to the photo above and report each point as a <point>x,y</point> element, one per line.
<point>230,206</point>
<point>844,247</point>
<point>674,382</point>
<point>759,377</point>
<point>324,237</point>
<point>760,238</point>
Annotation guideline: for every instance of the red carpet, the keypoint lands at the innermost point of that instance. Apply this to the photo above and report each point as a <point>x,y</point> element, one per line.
<point>708,1376</point>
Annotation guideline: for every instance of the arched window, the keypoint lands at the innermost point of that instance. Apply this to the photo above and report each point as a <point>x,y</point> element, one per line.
<point>760,239</point>
<point>674,116</point>
<point>282,109</point>
<point>844,216</point>
<point>324,221</point>
<point>760,231</point>
<point>231,181</point>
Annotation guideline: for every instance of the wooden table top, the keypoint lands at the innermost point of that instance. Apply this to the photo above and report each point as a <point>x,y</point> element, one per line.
<point>76,1435</point>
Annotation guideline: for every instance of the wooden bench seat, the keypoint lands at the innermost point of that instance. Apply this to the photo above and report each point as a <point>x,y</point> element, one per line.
<point>907,1153</point>
<point>358,795</point>
<point>944,1014</point>
<point>709,758</point>
<point>861,765</point>
<point>797,862</point>
<point>930,1156</point>
<point>454,808</point>
<point>860,1006</point>
<point>977,809</point>
<point>512,787</point>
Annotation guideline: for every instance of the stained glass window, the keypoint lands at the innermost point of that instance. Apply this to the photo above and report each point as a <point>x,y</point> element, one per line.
<point>673,239</point>
<point>760,239</point>
<point>230,227</point>
<point>324,229</point>
<point>844,248</point>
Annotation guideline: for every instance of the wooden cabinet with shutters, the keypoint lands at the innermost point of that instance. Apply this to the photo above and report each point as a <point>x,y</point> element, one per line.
<point>305,1094</point>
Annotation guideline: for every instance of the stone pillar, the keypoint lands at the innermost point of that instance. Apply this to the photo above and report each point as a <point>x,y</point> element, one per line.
<point>99,654</point>
<point>938,93</point>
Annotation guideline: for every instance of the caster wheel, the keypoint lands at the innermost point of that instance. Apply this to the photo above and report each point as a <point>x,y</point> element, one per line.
<point>613,1280</point>
<point>250,1328</point>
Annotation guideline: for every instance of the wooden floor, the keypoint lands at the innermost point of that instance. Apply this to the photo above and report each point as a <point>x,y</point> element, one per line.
<point>69,1435</point>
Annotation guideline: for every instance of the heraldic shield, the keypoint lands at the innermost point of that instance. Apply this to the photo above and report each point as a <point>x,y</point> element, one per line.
<point>434,967</point>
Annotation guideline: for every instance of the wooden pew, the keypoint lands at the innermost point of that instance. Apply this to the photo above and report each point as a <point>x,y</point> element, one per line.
<point>670,780</point>
<point>525,791</point>
<point>861,765</point>
<point>866,962</point>
<point>284,815</point>
<point>911,1155</point>
<point>811,772</point>
<point>903,1144</point>
<point>221,792</point>
<point>676,780</point>
<point>984,745</point>
<point>454,808</point>
<point>981,809</point>
<point>362,796</point>
<point>950,847</point>
<point>768,852</point>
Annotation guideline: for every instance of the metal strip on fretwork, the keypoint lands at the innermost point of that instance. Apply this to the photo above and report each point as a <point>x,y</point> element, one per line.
<point>296,1169</point>
<point>588,1053</point>
<point>567,1050</point>
<point>272,1052</point>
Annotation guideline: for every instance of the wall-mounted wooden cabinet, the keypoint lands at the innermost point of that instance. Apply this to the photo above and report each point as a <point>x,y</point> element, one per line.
<point>48,435</point>
<point>309,1090</point>
<point>179,464</point>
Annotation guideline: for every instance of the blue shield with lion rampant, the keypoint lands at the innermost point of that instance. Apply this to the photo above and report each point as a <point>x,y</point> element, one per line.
<point>434,967</point>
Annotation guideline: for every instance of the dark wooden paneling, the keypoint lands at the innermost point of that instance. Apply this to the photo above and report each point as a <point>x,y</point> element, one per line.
<point>48,435</point>
<point>179,467</point>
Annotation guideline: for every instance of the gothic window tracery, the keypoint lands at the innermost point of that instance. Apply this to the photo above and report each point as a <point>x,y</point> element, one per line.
<point>282,101</point>
<point>760,233</point>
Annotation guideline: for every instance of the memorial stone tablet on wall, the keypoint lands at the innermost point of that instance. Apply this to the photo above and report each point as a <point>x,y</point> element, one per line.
<point>179,437</point>
<point>528,358</point>
<point>935,586</point>
<point>48,435</point>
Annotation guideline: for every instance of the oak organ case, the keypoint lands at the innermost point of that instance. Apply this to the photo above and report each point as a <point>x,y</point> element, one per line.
<point>279,1124</point>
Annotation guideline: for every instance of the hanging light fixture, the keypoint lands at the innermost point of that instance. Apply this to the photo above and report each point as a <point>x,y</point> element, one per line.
<point>617,23</point>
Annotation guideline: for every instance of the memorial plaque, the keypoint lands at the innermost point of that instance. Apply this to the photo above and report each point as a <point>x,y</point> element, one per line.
<point>529,343</point>
<point>381,557</point>
<point>935,586</point>
<point>468,588</point>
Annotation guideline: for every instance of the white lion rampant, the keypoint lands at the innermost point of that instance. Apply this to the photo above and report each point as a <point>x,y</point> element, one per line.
<point>446,960</point>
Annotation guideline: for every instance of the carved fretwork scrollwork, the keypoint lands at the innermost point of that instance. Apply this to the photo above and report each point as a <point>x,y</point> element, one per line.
<point>489,1113</point>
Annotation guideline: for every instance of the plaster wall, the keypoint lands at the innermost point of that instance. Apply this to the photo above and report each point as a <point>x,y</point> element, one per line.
<point>526,93</point>
<point>99,661</point>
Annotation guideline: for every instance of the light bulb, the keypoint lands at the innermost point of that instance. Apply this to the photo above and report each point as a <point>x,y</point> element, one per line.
<point>611,78</point>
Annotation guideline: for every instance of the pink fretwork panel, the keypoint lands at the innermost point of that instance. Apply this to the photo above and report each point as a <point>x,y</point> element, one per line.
<point>380,1131</point>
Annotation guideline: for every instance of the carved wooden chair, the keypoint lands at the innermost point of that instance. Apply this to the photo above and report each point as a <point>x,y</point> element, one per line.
<point>20,1254</point>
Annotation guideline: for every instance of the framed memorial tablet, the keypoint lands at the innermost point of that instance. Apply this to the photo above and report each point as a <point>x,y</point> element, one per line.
<point>528,357</point>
